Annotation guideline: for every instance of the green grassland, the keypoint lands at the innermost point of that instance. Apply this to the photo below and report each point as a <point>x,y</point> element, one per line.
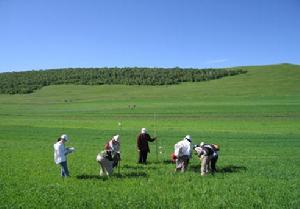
<point>255,117</point>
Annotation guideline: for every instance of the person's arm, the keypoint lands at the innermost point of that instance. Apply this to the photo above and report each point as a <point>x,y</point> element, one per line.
<point>200,151</point>
<point>64,150</point>
<point>150,139</point>
<point>69,150</point>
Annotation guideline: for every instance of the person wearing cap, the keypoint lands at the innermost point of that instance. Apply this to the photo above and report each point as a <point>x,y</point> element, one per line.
<point>182,153</point>
<point>142,145</point>
<point>205,154</point>
<point>60,154</point>
<point>214,157</point>
<point>110,156</point>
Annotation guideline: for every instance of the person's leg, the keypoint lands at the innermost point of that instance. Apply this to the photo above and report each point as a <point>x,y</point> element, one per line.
<point>200,160</point>
<point>102,169</point>
<point>176,165</point>
<point>115,162</point>
<point>140,157</point>
<point>213,163</point>
<point>185,163</point>
<point>64,169</point>
<point>183,167</point>
<point>145,157</point>
<point>203,165</point>
<point>107,164</point>
<point>208,164</point>
<point>109,167</point>
<point>207,167</point>
<point>179,164</point>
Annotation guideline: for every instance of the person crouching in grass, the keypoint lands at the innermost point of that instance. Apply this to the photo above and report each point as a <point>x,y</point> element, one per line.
<point>110,156</point>
<point>60,154</point>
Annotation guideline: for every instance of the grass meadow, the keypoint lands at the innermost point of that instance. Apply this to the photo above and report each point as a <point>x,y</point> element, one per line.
<point>254,117</point>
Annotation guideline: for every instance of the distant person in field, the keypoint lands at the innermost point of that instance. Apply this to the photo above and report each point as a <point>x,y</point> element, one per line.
<point>110,156</point>
<point>60,154</point>
<point>142,145</point>
<point>183,153</point>
<point>208,157</point>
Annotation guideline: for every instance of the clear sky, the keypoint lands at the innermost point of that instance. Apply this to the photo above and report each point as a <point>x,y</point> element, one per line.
<point>42,34</point>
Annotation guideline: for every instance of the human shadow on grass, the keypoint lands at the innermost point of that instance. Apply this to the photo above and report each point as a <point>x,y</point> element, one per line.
<point>131,175</point>
<point>231,169</point>
<point>139,166</point>
<point>225,169</point>
<point>91,177</point>
<point>115,175</point>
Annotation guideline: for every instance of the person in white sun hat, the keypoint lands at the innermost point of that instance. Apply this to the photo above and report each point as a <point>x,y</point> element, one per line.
<point>183,153</point>
<point>110,156</point>
<point>60,154</point>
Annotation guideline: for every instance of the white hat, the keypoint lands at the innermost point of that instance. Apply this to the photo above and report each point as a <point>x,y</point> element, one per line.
<point>188,137</point>
<point>144,130</point>
<point>64,137</point>
<point>116,138</point>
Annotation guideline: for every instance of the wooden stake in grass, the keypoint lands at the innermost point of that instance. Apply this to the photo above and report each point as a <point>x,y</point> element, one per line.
<point>155,135</point>
<point>119,162</point>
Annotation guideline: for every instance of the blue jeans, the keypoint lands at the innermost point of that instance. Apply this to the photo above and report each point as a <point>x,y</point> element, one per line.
<point>64,169</point>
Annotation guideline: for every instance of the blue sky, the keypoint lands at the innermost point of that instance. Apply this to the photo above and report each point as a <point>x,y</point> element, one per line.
<point>37,34</point>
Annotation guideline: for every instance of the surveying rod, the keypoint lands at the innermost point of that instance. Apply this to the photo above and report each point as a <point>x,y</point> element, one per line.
<point>119,162</point>
<point>155,135</point>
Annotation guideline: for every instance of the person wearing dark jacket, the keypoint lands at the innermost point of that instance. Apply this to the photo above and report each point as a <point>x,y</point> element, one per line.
<point>142,145</point>
<point>205,155</point>
<point>214,158</point>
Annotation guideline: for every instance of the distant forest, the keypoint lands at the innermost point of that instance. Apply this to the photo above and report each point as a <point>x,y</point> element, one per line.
<point>29,81</point>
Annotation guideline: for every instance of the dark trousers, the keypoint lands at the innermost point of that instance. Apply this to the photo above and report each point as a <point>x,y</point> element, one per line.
<point>64,169</point>
<point>213,163</point>
<point>143,156</point>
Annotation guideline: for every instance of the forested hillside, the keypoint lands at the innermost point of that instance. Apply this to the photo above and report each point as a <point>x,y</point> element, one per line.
<point>27,82</point>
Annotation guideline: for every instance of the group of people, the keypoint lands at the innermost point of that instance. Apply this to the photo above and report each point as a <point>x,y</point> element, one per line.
<point>207,153</point>
<point>110,157</point>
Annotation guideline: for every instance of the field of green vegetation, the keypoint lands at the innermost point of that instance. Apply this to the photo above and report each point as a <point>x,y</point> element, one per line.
<point>254,117</point>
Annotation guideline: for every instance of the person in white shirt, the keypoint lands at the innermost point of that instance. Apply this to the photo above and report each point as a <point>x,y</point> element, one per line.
<point>60,153</point>
<point>183,152</point>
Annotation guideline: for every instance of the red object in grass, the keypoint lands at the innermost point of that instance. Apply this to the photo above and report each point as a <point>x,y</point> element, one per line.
<point>173,157</point>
